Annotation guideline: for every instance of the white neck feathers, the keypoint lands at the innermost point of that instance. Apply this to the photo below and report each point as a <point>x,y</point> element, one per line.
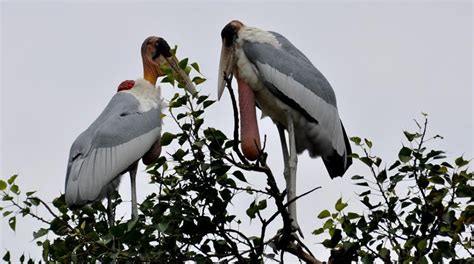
<point>148,95</point>
<point>252,34</point>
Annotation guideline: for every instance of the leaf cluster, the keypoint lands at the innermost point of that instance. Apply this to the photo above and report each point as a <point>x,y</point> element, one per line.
<point>417,209</point>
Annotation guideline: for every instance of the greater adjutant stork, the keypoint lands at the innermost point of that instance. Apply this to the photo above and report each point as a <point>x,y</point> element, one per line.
<point>127,130</point>
<point>274,75</point>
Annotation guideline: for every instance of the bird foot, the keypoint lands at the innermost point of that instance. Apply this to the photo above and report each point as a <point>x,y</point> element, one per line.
<point>296,228</point>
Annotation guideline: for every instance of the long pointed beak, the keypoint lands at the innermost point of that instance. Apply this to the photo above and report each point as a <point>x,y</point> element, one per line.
<point>173,62</point>
<point>225,68</point>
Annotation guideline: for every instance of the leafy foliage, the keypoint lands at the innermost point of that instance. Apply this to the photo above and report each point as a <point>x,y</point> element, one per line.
<point>186,218</point>
<point>418,209</point>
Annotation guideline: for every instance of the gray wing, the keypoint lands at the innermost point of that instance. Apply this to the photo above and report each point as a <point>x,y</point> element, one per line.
<point>120,136</point>
<point>291,77</point>
<point>289,47</point>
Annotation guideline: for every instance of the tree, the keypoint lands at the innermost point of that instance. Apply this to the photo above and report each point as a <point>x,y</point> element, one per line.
<point>188,217</point>
<point>419,208</point>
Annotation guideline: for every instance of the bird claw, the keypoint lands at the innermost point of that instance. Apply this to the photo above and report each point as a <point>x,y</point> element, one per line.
<point>296,228</point>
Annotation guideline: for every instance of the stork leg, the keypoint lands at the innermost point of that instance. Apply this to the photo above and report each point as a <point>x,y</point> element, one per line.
<point>111,217</point>
<point>133,175</point>
<point>284,149</point>
<point>110,211</point>
<point>290,162</point>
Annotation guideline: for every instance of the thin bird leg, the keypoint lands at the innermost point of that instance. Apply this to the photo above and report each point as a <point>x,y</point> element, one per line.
<point>110,211</point>
<point>133,175</point>
<point>291,180</point>
<point>111,217</point>
<point>284,149</point>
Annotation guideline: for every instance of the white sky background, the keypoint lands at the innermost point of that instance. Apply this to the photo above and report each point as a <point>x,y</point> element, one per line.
<point>387,62</point>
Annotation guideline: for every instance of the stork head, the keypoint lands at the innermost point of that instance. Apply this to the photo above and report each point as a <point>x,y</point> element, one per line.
<point>155,53</point>
<point>229,36</point>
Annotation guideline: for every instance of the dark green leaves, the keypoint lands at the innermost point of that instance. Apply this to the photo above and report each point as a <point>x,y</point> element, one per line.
<point>41,232</point>
<point>11,180</point>
<point>167,138</point>
<point>356,140</point>
<point>415,206</point>
<point>461,162</point>
<point>340,205</point>
<point>405,154</point>
<point>12,223</point>
<point>198,80</point>
<point>254,208</point>
<point>324,214</point>
<point>6,257</point>
<point>335,238</point>
<point>3,185</point>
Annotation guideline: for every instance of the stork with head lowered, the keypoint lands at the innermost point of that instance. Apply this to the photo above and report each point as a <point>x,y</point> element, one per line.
<point>275,76</point>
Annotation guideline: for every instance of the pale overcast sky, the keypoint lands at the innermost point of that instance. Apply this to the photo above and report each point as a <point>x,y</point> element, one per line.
<point>387,62</point>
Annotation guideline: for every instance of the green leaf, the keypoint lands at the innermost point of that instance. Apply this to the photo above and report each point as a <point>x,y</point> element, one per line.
<point>201,99</point>
<point>12,179</point>
<point>318,231</point>
<point>411,136</point>
<point>405,154</point>
<point>384,253</point>
<point>6,257</point>
<point>328,224</point>
<point>340,205</point>
<point>354,155</point>
<point>394,165</point>
<point>167,138</point>
<point>179,154</point>
<point>364,193</point>
<point>352,216</point>
<point>198,80</point>
<point>363,184</point>
<point>207,103</point>
<point>262,205</point>
<point>421,245</point>
<point>436,179</point>
<point>460,162</point>
<point>324,214</point>
<point>41,232</point>
<point>252,210</point>
<point>195,66</point>
<point>163,226</point>
<point>356,140</point>
<point>382,176</point>
<point>168,79</point>
<point>239,175</point>
<point>335,238</point>
<point>15,189</point>
<point>357,177</point>
<point>367,161</point>
<point>12,223</point>
<point>368,143</point>
<point>3,185</point>
<point>30,193</point>
<point>183,63</point>
<point>131,223</point>
<point>34,200</point>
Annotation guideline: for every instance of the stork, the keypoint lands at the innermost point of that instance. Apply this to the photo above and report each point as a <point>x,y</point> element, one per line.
<point>127,130</point>
<point>275,76</point>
